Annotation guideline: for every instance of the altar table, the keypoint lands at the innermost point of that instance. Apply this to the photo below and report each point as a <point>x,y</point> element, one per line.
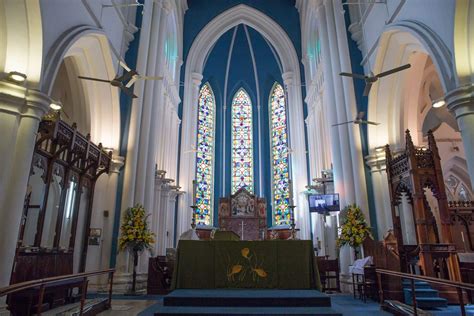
<point>271,264</point>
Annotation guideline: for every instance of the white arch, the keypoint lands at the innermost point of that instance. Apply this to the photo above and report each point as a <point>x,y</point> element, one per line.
<point>21,39</point>
<point>90,52</point>
<point>386,105</point>
<point>274,34</point>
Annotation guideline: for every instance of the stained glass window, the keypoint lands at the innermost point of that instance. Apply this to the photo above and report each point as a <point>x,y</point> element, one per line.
<point>205,156</point>
<point>242,152</point>
<point>279,153</point>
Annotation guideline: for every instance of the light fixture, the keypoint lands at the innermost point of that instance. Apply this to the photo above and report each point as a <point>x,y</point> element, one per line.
<point>55,105</point>
<point>439,103</point>
<point>16,77</point>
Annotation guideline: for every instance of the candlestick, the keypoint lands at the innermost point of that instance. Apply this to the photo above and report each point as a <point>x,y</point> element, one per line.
<point>194,192</point>
<point>290,191</point>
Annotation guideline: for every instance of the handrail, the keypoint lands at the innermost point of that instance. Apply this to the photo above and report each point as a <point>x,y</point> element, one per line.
<point>44,283</point>
<point>458,285</point>
<point>462,285</point>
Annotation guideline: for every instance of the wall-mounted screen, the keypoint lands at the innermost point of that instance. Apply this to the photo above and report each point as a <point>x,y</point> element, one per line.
<point>324,203</point>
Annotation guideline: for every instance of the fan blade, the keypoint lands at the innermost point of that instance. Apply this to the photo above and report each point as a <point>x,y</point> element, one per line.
<point>93,79</point>
<point>128,92</point>
<point>394,70</point>
<point>356,76</point>
<point>131,82</point>
<point>124,66</point>
<point>369,122</point>
<point>342,123</point>
<point>368,85</point>
<point>149,78</point>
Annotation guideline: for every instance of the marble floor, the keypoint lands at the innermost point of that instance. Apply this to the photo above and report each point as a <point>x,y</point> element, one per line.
<point>128,307</point>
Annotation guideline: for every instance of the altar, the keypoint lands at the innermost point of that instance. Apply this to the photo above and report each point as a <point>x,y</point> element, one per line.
<point>269,264</point>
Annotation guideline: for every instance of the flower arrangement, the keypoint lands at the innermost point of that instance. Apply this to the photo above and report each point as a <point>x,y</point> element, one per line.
<point>135,234</point>
<point>354,228</point>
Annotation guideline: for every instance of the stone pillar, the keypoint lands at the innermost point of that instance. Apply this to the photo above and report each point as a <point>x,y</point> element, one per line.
<point>461,102</point>
<point>171,217</point>
<point>188,157</point>
<point>376,163</point>
<point>297,158</point>
<point>21,110</point>
<point>108,222</point>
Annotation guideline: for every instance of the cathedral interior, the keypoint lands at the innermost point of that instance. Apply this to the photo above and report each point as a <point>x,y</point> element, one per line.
<point>237,157</point>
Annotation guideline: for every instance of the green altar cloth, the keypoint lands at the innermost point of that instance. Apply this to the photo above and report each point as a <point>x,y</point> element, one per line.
<point>272,264</point>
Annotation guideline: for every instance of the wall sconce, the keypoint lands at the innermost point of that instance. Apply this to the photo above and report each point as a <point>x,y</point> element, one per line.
<point>55,105</point>
<point>439,103</point>
<point>16,77</point>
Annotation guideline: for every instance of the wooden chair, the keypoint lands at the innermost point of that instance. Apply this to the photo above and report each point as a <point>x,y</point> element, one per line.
<point>365,285</point>
<point>329,270</point>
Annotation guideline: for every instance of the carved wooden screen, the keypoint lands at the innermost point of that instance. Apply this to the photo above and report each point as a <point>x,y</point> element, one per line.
<point>410,172</point>
<point>64,170</point>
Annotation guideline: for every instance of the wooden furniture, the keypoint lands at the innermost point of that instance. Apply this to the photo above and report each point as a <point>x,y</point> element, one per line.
<point>245,214</point>
<point>410,172</point>
<point>160,272</point>
<point>329,274</point>
<point>364,285</point>
<point>58,205</point>
<point>32,297</point>
<point>462,227</point>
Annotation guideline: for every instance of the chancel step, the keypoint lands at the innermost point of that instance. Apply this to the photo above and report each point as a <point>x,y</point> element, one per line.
<point>247,298</point>
<point>241,311</point>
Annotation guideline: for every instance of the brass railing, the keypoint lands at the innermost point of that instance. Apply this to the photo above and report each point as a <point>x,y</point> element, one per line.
<point>42,284</point>
<point>459,286</point>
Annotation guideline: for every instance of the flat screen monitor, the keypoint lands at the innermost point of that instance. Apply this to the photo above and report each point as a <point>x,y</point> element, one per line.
<point>324,203</point>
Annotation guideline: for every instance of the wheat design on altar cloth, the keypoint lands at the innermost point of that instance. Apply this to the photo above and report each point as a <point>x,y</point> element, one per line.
<point>249,264</point>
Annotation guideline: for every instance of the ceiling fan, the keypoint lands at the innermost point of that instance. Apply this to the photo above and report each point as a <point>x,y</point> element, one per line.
<point>370,80</point>
<point>125,81</point>
<point>358,120</point>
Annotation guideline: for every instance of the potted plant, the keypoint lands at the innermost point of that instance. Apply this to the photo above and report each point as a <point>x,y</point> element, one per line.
<point>354,229</point>
<point>135,236</point>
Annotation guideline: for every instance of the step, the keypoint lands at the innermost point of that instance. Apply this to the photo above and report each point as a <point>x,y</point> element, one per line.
<point>238,311</point>
<point>429,302</point>
<point>421,293</point>
<point>418,284</point>
<point>247,298</point>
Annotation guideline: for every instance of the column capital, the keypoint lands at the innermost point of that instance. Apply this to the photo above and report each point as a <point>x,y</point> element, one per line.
<point>196,78</point>
<point>18,100</point>
<point>288,78</point>
<point>116,164</point>
<point>376,160</point>
<point>461,100</point>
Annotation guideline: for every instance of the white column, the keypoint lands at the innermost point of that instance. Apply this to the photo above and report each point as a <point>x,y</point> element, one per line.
<point>108,224</point>
<point>298,156</point>
<point>157,103</point>
<point>376,163</point>
<point>354,137</point>
<point>461,103</point>
<point>188,157</point>
<point>20,112</point>
<point>170,218</point>
<point>328,105</point>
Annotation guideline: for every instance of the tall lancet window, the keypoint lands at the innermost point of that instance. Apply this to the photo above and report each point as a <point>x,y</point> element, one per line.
<point>279,156</point>
<point>242,152</point>
<point>205,156</point>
